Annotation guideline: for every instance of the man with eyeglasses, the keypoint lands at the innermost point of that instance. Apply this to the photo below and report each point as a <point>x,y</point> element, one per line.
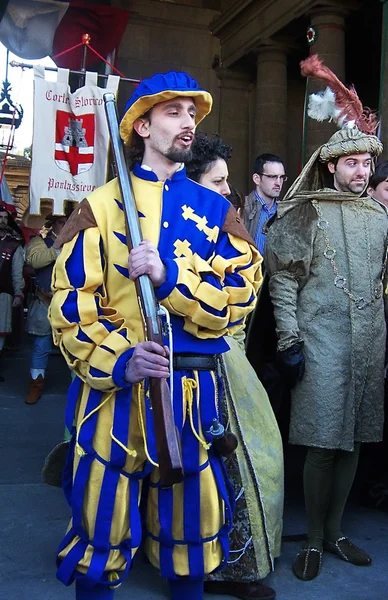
<point>261,204</point>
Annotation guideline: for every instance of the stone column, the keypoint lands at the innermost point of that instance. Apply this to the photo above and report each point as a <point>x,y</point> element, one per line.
<point>384,83</point>
<point>234,123</point>
<point>270,133</point>
<point>330,45</point>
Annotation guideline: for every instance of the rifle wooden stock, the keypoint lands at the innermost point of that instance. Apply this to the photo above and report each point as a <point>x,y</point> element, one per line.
<point>169,454</point>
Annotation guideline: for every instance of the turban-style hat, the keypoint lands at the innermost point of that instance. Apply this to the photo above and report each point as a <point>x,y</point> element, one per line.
<point>350,141</point>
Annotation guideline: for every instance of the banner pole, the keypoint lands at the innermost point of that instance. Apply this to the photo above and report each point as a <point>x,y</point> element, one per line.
<point>85,40</point>
<point>21,65</point>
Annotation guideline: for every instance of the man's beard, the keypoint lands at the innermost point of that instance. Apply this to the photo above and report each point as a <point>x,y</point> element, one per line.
<point>353,188</point>
<point>357,187</point>
<point>176,155</point>
<point>346,187</point>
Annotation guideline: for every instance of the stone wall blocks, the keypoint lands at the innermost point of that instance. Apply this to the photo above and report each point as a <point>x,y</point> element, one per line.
<point>177,47</point>
<point>136,42</point>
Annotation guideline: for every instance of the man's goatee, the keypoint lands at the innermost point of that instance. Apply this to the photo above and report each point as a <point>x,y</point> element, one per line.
<point>179,156</point>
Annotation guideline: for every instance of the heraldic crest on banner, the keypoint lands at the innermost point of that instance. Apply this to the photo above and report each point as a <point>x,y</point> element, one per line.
<point>67,163</point>
<point>74,142</point>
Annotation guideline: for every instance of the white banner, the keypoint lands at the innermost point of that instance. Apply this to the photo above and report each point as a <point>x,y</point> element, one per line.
<point>70,141</point>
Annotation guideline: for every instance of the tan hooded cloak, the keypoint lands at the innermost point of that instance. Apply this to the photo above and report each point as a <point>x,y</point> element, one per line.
<point>324,255</point>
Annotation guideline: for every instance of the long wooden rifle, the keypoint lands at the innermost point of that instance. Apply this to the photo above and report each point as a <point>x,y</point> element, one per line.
<point>168,448</point>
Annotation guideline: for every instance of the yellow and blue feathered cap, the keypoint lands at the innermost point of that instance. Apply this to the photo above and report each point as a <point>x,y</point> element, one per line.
<point>159,88</point>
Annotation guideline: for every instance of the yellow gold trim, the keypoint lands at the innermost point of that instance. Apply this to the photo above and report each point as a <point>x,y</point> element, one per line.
<point>201,223</point>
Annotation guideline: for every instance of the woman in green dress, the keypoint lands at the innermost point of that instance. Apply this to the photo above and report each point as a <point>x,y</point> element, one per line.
<point>256,468</point>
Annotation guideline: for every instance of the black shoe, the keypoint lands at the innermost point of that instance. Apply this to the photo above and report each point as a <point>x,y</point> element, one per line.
<point>348,552</point>
<point>307,564</point>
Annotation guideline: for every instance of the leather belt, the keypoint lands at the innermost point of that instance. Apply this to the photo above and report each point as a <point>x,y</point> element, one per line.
<point>195,362</point>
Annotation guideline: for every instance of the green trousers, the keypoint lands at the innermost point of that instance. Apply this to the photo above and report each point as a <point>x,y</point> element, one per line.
<point>328,477</point>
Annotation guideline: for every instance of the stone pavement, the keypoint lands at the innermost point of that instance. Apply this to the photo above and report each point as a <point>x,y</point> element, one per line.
<point>34,516</point>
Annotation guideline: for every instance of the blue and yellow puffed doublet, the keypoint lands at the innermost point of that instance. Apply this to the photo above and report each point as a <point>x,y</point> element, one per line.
<point>212,279</point>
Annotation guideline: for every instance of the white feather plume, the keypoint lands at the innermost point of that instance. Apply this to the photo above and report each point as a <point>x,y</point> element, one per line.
<point>322,106</point>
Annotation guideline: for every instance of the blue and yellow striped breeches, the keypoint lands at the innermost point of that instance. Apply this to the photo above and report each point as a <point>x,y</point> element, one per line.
<point>114,449</point>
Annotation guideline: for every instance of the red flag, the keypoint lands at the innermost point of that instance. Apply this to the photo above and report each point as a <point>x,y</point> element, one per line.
<point>104,24</point>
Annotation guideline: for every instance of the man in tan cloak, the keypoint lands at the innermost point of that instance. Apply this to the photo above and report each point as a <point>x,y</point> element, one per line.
<point>326,259</point>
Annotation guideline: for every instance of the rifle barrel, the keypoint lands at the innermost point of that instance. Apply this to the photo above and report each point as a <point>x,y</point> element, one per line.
<point>147,294</point>
<point>170,459</point>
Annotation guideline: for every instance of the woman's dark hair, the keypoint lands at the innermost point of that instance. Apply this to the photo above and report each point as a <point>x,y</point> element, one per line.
<point>380,174</point>
<point>205,151</point>
<point>237,199</point>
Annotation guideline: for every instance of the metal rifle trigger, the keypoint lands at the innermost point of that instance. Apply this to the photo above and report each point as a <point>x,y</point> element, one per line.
<point>163,320</point>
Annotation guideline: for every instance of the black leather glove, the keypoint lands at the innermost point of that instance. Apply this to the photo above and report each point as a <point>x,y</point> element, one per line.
<point>291,363</point>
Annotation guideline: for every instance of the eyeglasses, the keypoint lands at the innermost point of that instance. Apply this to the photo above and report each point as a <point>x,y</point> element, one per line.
<point>282,178</point>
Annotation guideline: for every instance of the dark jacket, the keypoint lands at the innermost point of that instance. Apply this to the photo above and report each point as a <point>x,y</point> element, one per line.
<point>252,214</point>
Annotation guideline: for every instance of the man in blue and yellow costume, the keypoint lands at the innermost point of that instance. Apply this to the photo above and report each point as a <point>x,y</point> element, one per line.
<point>205,271</point>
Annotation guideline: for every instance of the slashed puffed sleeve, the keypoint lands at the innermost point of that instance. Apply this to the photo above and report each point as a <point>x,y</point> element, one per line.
<point>92,336</point>
<point>287,258</point>
<point>214,296</point>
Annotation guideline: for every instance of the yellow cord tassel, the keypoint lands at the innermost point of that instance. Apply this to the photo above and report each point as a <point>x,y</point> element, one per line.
<point>139,387</point>
<point>127,450</point>
<point>188,386</point>
<point>79,448</point>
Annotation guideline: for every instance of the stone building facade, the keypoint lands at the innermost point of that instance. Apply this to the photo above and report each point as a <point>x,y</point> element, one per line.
<point>17,174</point>
<point>247,53</point>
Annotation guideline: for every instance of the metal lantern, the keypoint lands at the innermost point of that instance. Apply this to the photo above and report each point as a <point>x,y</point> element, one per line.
<point>11,114</point>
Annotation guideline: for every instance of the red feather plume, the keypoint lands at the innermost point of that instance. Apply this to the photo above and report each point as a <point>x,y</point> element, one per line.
<point>346,99</point>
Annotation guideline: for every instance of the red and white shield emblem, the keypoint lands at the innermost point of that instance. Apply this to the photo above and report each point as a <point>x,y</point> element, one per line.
<point>74,142</point>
